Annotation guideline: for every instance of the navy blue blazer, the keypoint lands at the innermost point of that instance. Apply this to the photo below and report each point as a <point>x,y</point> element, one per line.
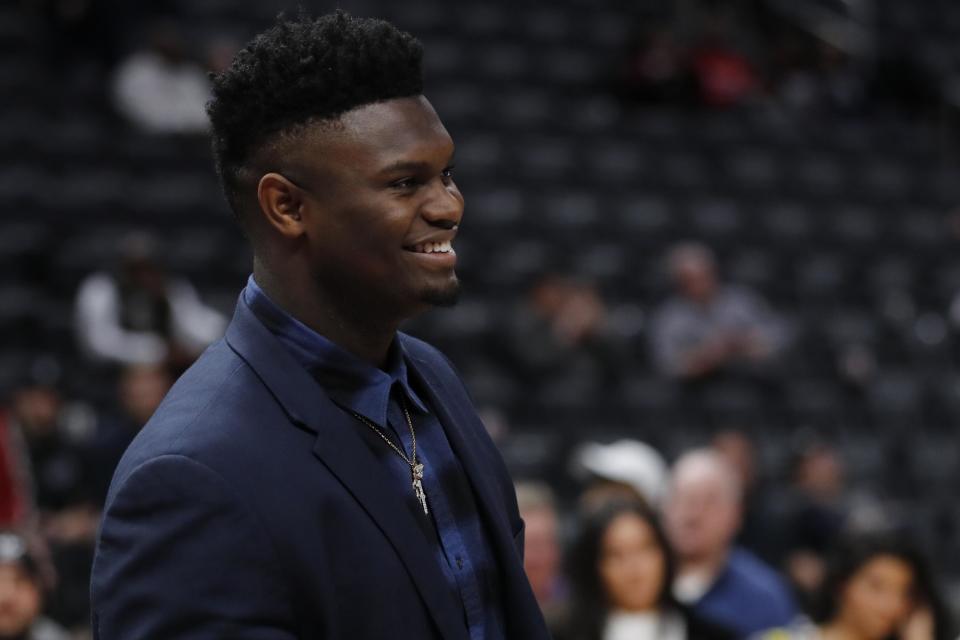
<point>250,507</point>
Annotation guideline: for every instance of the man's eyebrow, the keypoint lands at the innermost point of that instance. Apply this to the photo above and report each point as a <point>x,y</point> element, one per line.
<point>411,166</point>
<point>403,166</point>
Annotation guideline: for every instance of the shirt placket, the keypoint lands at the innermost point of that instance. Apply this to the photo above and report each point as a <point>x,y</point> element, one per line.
<point>458,562</point>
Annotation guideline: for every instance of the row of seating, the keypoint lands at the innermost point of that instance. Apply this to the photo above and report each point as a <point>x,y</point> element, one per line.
<point>843,224</point>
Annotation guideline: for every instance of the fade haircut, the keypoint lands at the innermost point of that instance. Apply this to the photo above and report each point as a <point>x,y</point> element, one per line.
<point>304,71</point>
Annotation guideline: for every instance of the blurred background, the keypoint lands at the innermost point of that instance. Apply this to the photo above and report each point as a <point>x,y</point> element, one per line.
<point>730,226</point>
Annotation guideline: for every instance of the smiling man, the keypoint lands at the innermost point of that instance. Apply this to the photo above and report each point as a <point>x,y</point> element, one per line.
<point>318,474</point>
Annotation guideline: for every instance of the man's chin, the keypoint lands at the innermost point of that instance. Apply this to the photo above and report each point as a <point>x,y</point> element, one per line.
<point>446,296</point>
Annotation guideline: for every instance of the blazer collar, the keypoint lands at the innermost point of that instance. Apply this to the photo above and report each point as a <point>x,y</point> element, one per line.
<point>341,449</point>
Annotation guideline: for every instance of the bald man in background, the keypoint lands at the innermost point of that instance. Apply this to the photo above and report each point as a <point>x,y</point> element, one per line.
<point>722,583</point>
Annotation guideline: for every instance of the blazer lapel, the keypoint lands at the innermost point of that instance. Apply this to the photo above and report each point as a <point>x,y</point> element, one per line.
<point>341,449</point>
<point>349,458</point>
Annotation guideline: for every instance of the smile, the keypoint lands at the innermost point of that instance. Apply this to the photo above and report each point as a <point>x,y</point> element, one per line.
<point>434,247</point>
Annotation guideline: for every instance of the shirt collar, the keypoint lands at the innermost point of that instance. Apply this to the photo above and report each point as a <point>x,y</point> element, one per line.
<point>350,381</point>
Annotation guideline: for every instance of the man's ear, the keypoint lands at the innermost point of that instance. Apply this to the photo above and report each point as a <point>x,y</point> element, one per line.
<point>281,202</point>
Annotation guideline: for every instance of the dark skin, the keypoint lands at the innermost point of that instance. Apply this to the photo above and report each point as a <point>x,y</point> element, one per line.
<point>345,217</point>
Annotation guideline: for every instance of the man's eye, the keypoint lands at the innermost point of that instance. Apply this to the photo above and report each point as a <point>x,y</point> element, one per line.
<point>406,183</point>
<point>447,173</point>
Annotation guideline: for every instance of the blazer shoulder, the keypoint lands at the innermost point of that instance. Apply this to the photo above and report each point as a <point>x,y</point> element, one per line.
<point>180,536</point>
<point>214,398</point>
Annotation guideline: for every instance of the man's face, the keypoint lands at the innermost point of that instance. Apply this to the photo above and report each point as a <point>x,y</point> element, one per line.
<point>19,600</point>
<point>37,408</point>
<point>702,514</point>
<point>382,208</point>
<point>542,558</point>
<point>696,279</point>
<point>142,389</point>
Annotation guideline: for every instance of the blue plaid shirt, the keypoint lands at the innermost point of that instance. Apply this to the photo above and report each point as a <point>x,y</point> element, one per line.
<point>453,526</point>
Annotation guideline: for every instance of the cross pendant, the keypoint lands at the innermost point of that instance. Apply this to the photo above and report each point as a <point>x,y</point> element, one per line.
<point>417,471</point>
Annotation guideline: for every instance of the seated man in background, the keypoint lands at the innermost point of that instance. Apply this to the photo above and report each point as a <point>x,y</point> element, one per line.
<point>53,431</point>
<point>708,328</point>
<point>159,88</point>
<point>139,314</point>
<point>723,584</point>
<point>562,330</point>
<point>140,390</point>
<point>542,557</point>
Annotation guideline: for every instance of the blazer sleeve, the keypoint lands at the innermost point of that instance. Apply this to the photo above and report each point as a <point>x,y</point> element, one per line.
<point>180,557</point>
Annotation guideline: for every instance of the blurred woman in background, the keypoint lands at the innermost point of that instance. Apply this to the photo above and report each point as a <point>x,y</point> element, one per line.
<point>878,588</point>
<point>621,570</point>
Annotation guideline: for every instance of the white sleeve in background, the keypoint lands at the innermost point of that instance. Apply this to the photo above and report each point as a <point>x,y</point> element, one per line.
<point>195,325</point>
<point>161,98</point>
<point>99,330</point>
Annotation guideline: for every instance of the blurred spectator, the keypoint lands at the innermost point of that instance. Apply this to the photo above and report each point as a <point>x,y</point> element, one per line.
<point>878,588</point>
<point>139,314</point>
<point>626,469</point>
<point>724,584</point>
<point>55,434</point>
<point>16,487</point>
<point>49,424</point>
<point>725,77</point>
<point>22,593</point>
<point>562,330</point>
<point>621,569</point>
<point>707,328</point>
<point>542,554</point>
<point>740,453</point>
<point>815,511</point>
<point>759,521</point>
<point>55,452</point>
<point>140,391</point>
<point>73,478</point>
<point>159,88</point>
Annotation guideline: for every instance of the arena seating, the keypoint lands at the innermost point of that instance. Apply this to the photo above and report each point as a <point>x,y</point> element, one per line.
<point>842,224</point>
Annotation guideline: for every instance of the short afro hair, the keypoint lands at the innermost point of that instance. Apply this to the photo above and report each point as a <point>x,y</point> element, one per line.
<point>305,70</point>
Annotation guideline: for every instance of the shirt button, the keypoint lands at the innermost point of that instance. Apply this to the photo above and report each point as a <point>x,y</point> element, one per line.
<point>459,562</point>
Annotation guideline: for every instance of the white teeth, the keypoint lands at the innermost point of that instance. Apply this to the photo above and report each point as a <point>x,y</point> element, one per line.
<point>434,247</point>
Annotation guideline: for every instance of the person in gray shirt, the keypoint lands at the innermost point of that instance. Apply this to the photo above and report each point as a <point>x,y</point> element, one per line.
<point>708,327</point>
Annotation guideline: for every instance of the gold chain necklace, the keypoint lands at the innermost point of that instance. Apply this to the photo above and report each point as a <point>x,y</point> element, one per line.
<point>416,469</point>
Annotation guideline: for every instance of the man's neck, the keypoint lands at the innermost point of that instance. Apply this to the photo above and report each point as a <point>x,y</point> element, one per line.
<point>365,334</point>
<point>709,566</point>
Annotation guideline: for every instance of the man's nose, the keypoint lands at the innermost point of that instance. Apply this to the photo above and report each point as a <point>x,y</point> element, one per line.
<point>444,207</point>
